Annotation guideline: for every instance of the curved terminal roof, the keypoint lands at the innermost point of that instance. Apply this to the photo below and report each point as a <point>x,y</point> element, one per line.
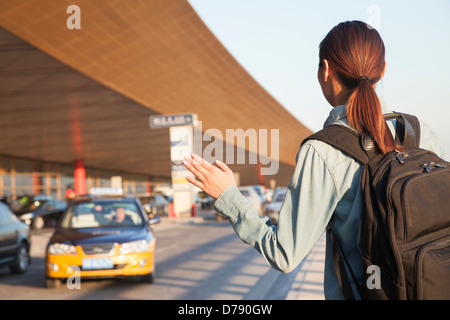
<point>87,94</point>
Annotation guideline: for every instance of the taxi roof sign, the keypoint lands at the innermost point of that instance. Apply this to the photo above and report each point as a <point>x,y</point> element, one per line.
<point>106,191</point>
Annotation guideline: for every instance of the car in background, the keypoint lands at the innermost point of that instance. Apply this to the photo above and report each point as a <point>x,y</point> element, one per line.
<point>155,204</point>
<point>278,190</point>
<point>101,238</point>
<point>262,192</point>
<point>207,202</point>
<point>14,241</point>
<point>252,196</point>
<point>39,213</point>
<point>23,200</point>
<point>272,209</point>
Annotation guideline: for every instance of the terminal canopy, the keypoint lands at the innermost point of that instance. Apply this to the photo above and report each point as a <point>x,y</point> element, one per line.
<point>88,93</point>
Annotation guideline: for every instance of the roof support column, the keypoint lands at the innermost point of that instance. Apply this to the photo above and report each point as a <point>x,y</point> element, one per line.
<point>37,179</point>
<point>79,177</point>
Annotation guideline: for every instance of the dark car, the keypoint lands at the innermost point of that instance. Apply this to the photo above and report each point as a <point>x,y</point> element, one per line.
<point>101,238</point>
<point>155,204</point>
<point>41,213</point>
<point>14,241</point>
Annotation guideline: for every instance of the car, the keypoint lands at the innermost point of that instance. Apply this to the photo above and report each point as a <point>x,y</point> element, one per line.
<point>261,191</point>
<point>272,209</point>
<point>23,200</point>
<point>155,204</point>
<point>101,238</point>
<point>41,213</point>
<point>207,202</point>
<point>14,241</point>
<point>277,191</point>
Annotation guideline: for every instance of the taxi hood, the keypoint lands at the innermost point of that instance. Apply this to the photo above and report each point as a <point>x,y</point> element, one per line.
<point>99,235</point>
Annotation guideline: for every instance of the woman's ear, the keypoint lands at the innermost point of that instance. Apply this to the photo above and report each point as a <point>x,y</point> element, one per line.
<point>323,73</point>
<point>326,70</point>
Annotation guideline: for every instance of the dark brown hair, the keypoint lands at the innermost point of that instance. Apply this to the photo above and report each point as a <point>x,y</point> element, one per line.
<point>355,51</point>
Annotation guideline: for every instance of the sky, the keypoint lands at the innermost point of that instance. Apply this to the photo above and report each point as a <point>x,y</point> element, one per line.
<point>277,42</point>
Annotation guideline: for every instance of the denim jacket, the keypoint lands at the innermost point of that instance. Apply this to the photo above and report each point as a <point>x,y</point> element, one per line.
<point>325,182</point>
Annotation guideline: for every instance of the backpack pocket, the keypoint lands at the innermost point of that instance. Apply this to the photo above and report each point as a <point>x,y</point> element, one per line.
<point>432,273</point>
<point>425,201</point>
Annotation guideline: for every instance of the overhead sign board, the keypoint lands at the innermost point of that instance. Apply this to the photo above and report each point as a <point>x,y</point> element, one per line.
<point>172,120</point>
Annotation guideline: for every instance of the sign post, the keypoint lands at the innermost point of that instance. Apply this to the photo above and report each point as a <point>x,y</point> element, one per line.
<point>181,144</point>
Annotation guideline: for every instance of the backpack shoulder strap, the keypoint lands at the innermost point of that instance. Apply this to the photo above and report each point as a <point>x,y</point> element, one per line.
<point>342,138</point>
<point>362,147</point>
<point>407,129</point>
<point>414,122</point>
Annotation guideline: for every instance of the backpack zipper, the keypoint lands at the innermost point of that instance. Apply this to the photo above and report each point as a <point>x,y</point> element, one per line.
<point>400,156</point>
<point>428,166</point>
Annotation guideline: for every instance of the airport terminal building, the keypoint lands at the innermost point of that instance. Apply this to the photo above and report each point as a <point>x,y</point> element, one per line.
<point>75,102</point>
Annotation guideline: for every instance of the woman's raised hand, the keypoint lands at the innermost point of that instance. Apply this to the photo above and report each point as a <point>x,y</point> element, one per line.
<point>211,179</point>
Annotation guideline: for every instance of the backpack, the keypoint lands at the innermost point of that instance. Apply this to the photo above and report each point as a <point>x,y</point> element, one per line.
<point>405,222</point>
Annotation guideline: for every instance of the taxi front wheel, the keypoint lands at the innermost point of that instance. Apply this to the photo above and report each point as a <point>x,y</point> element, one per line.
<point>52,283</point>
<point>147,278</point>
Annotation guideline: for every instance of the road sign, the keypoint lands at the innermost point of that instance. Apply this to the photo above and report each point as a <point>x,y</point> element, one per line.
<point>181,144</point>
<point>172,120</point>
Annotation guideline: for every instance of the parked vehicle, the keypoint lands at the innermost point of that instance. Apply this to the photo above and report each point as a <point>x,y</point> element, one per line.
<point>207,202</point>
<point>252,196</point>
<point>261,191</point>
<point>155,204</point>
<point>272,209</point>
<point>14,241</point>
<point>41,213</point>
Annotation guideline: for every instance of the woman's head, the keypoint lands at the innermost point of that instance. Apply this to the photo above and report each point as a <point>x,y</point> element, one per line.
<point>351,62</point>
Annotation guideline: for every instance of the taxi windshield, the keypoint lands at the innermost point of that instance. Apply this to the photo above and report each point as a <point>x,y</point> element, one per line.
<point>100,214</point>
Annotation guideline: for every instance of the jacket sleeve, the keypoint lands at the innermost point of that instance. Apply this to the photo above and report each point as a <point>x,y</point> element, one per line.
<point>310,201</point>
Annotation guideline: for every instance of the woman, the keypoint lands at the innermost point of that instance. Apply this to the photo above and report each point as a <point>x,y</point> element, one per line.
<point>326,182</point>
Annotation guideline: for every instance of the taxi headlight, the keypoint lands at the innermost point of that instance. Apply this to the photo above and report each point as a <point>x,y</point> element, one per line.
<point>134,246</point>
<point>61,248</point>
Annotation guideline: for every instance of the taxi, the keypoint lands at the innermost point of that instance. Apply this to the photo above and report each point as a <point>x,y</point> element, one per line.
<point>101,238</point>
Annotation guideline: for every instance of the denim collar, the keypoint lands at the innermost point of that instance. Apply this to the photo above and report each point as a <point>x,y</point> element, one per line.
<point>336,114</point>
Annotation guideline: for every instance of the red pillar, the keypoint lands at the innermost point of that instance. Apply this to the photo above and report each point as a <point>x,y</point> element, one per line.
<point>148,186</point>
<point>37,180</point>
<point>260,176</point>
<point>79,177</point>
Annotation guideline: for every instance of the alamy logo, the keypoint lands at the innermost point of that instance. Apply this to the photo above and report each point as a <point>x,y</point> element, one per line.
<point>374,280</point>
<point>74,20</point>
<point>258,142</point>
<point>73,281</point>
<point>374,17</point>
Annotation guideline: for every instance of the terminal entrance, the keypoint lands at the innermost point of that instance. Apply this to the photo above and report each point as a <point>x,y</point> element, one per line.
<point>25,183</point>
<point>23,177</point>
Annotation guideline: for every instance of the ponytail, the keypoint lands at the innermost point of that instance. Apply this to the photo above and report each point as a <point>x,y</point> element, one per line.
<point>356,52</point>
<point>365,115</point>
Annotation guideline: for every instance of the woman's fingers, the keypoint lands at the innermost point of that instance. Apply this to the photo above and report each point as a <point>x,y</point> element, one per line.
<point>211,179</point>
<point>223,166</point>
<point>201,162</point>
<point>195,182</point>
<point>195,169</point>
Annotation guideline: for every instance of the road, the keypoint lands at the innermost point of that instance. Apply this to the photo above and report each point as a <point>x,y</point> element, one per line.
<point>195,259</point>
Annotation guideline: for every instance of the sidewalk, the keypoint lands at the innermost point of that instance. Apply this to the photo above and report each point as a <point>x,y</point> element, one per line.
<point>308,283</point>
